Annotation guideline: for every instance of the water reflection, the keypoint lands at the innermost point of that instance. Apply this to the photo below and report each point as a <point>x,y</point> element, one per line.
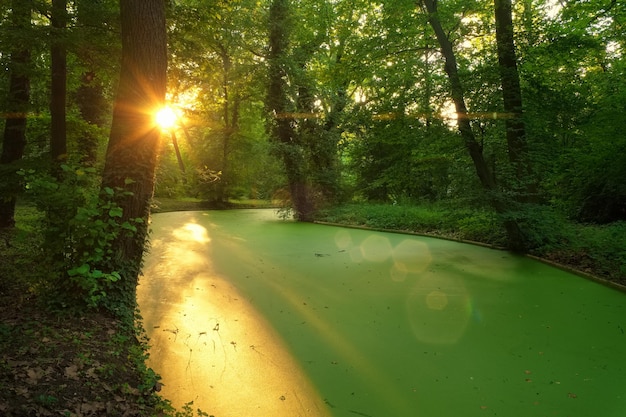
<point>423,328</point>
<point>192,232</point>
<point>207,342</point>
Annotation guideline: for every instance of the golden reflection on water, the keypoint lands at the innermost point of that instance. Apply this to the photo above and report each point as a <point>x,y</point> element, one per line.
<point>348,352</point>
<point>209,344</point>
<point>192,232</point>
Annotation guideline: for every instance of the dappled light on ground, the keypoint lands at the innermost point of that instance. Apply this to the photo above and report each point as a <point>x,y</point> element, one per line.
<point>380,324</point>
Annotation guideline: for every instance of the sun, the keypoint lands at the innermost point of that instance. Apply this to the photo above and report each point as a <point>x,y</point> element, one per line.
<point>165,118</point>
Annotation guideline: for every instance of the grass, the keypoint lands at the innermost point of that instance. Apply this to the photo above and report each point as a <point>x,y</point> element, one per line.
<point>441,221</point>
<point>598,250</point>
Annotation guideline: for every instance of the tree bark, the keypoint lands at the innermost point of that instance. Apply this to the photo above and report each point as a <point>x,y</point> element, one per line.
<point>89,96</point>
<point>229,124</point>
<point>525,188</point>
<point>90,101</point>
<point>134,139</point>
<point>14,139</point>
<point>58,87</point>
<point>282,127</point>
<point>456,88</point>
<point>516,239</point>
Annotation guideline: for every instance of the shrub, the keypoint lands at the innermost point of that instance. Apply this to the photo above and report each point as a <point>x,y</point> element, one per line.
<point>80,227</point>
<point>481,226</point>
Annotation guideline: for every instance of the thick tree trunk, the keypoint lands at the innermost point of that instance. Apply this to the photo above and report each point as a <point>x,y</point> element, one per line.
<point>14,140</point>
<point>58,87</point>
<point>134,140</point>
<point>525,187</point>
<point>282,126</point>
<point>516,239</point>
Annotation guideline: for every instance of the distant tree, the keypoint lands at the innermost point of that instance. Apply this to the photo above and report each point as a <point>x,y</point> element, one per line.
<point>282,124</point>
<point>516,236</point>
<point>17,104</point>
<point>95,38</point>
<point>134,140</point>
<point>525,186</point>
<point>58,86</point>
<point>226,85</point>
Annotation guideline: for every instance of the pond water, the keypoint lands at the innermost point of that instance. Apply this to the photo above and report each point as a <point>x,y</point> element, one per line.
<point>250,315</point>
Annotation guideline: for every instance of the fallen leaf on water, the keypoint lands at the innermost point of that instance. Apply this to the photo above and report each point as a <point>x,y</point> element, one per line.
<point>527,372</point>
<point>572,395</point>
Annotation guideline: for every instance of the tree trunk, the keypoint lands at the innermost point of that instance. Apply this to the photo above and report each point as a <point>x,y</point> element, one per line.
<point>282,126</point>
<point>134,140</point>
<point>90,101</point>
<point>58,87</point>
<point>516,240</point>
<point>525,188</point>
<point>463,122</point>
<point>222,184</point>
<point>89,96</point>
<point>14,140</point>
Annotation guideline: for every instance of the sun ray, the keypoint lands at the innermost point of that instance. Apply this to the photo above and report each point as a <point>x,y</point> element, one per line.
<point>165,118</point>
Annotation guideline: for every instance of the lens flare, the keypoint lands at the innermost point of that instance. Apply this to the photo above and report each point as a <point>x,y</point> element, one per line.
<point>165,118</point>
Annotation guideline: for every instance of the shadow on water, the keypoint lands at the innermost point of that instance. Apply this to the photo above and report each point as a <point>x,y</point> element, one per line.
<point>250,315</point>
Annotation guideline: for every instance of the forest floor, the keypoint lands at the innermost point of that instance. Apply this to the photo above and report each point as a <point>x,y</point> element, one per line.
<point>64,363</point>
<point>59,364</point>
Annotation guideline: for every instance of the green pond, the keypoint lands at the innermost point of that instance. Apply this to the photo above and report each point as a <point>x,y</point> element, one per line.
<point>372,324</point>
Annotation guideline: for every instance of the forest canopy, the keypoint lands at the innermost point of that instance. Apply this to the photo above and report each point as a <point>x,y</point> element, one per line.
<point>513,109</point>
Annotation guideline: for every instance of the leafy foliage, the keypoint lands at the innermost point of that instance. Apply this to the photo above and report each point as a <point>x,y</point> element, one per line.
<point>80,229</point>
<point>596,250</point>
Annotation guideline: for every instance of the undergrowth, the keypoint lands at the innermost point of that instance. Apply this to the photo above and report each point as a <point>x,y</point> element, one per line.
<point>598,250</point>
<point>76,361</point>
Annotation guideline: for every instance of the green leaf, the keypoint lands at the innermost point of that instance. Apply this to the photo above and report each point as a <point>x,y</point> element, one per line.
<point>114,276</point>
<point>129,226</point>
<point>116,212</point>
<point>81,270</point>
<point>129,181</point>
<point>109,191</point>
